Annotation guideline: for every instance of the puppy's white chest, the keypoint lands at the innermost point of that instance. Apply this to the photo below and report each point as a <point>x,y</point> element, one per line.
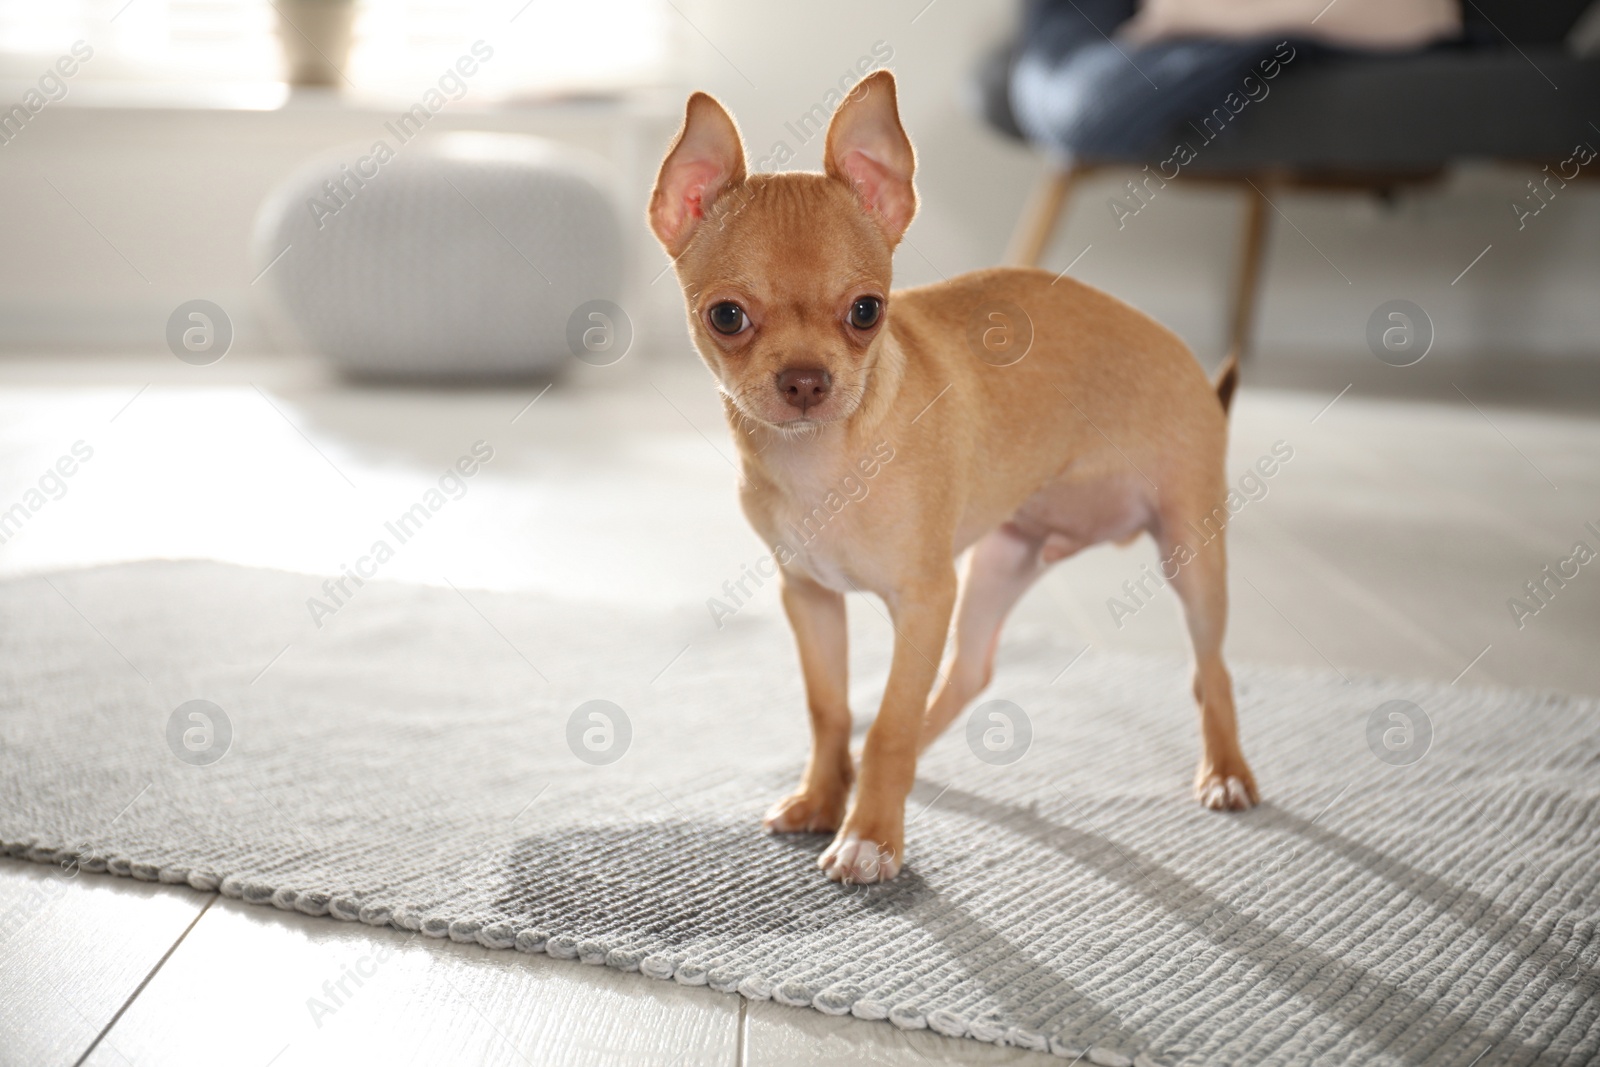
<point>813,537</point>
<point>815,534</point>
<point>823,568</point>
<point>814,511</point>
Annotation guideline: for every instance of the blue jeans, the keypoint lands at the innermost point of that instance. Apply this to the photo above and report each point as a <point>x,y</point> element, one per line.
<point>1081,96</point>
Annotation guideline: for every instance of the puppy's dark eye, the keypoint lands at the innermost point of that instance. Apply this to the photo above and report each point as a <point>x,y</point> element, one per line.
<point>864,312</point>
<point>728,318</point>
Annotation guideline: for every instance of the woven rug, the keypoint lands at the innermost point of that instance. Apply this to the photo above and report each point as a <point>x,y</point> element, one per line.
<point>1417,889</point>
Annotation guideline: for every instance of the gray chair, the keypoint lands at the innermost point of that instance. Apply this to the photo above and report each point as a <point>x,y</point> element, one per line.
<point>1510,90</point>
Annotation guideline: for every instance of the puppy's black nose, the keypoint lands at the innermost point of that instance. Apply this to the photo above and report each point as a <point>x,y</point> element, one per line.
<point>803,387</point>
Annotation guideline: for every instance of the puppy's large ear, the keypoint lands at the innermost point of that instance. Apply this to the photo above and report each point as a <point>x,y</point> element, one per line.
<point>869,150</point>
<point>705,158</point>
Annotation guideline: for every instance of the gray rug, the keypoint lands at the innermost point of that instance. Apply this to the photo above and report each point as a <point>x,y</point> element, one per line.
<point>411,762</point>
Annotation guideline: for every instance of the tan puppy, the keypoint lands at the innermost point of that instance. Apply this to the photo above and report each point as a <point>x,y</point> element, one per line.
<point>1105,427</point>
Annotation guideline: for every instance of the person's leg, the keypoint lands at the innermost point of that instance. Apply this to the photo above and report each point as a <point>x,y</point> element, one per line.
<point>1118,102</point>
<point>1055,27</point>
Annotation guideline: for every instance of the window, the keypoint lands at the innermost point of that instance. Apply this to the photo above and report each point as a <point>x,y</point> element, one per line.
<point>399,48</point>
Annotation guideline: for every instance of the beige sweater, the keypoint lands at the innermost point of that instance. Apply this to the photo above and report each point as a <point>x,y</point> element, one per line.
<point>1378,24</point>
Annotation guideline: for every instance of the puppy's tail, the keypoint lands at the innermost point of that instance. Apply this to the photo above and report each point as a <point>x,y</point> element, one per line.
<point>1227,380</point>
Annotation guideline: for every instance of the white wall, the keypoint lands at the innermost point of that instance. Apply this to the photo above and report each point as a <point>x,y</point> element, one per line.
<point>175,192</point>
<point>111,217</point>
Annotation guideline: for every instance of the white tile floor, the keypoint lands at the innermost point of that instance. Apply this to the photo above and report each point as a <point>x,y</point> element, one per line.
<point>1389,543</point>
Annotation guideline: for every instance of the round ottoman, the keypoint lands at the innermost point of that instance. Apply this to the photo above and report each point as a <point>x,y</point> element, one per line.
<point>457,256</point>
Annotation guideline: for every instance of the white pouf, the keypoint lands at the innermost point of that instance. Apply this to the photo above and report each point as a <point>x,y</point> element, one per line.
<point>462,255</point>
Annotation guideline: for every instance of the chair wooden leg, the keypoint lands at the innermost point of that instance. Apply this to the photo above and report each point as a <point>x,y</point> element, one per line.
<point>1247,278</point>
<point>1038,223</point>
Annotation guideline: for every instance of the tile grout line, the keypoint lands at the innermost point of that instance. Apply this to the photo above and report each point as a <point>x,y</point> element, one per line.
<point>81,1060</point>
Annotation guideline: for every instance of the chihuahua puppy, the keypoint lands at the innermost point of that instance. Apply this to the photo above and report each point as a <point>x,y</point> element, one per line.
<point>1081,420</point>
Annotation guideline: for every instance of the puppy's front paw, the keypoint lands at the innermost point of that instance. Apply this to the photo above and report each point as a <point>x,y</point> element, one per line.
<point>809,811</point>
<point>861,856</point>
<point>1231,789</point>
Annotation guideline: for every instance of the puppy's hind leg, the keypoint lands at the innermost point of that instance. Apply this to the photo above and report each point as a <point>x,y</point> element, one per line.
<point>817,616</point>
<point>1223,781</point>
<point>1003,564</point>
